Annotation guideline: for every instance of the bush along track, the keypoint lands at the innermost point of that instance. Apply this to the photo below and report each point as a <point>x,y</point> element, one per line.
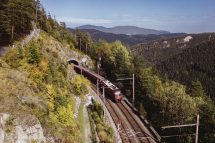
<point>96,116</point>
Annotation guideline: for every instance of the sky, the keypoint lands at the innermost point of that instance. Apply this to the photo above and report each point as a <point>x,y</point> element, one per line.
<point>190,16</point>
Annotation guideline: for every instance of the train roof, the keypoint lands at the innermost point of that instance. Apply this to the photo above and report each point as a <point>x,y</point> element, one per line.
<point>91,72</point>
<point>110,85</point>
<point>102,79</point>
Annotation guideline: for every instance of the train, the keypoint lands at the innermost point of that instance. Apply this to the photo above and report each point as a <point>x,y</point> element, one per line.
<point>110,89</point>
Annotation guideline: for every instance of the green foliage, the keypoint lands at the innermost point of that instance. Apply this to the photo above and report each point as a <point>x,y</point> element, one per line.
<point>168,100</point>
<point>9,121</point>
<point>34,54</point>
<point>206,110</point>
<point>104,131</point>
<point>79,85</point>
<point>196,63</point>
<point>168,103</point>
<point>15,18</point>
<point>84,41</point>
<point>61,101</point>
<point>41,17</point>
<point>49,83</point>
<point>12,58</point>
<point>98,108</point>
<point>197,89</point>
<point>164,102</point>
<point>58,31</point>
<point>115,58</point>
<point>46,86</point>
<point>93,132</point>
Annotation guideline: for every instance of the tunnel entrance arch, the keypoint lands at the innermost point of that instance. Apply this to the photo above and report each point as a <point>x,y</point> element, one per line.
<point>73,61</point>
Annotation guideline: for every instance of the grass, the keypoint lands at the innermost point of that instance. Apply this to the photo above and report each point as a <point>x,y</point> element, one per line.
<point>93,132</point>
<point>103,130</point>
<point>82,123</point>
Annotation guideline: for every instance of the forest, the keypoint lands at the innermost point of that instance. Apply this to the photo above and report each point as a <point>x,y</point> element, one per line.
<point>162,100</point>
<point>193,64</point>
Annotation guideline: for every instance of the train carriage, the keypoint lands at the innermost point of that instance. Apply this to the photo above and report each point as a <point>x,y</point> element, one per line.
<point>111,90</point>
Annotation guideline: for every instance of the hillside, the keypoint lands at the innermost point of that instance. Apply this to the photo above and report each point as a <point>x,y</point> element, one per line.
<point>127,30</point>
<point>162,49</point>
<point>37,79</point>
<point>196,63</point>
<point>183,59</point>
<point>129,40</point>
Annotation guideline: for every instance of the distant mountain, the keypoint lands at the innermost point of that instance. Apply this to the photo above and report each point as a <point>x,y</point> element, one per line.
<point>129,40</point>
<point>127,30</point>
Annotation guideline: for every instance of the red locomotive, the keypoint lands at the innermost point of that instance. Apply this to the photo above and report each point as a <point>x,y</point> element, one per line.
<point>111,90</point>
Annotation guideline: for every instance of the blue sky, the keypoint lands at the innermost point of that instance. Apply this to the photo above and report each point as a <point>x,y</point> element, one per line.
<point>191,16</point>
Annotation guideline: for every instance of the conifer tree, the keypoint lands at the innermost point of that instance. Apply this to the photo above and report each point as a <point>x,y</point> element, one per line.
<point>197,89</point>
<point>16,17</point>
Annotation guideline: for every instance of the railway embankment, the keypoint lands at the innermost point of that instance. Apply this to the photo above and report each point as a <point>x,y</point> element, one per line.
<point>107,116</point>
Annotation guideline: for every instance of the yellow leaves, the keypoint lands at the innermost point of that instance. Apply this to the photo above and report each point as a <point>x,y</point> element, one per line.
<point>36,74</point>
<point>12,58</point>
<point>50,98</point>
<point>50,89</point>
<point>79,84</point>
<point>53,118</point>
<point>65,115</point>
<point>50,104</point>
<point>44,65</point>
<point>79,80</point>
<point>59,113</point>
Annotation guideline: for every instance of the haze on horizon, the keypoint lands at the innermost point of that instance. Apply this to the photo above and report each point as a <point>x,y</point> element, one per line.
<point>193,16</point>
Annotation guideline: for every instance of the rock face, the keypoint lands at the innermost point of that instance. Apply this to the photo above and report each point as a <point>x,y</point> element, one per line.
<point>21,129</point>
<point>187,39</point>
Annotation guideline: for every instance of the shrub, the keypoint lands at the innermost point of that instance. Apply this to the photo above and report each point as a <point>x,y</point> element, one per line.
<point>34,55</point>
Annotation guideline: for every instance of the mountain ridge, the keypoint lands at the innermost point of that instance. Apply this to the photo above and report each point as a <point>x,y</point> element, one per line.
<point>129,40</point>
<point>184,59</point>
<point>127,30</point>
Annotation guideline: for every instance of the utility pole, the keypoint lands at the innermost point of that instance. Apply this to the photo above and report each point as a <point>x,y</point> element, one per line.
<point>133,89</point>
<point>98,66</point>
<point>80,44</point>
<point>103,93</point>
<point>197,129</point>
<point>97,84</point>
<point>75,36</point>
<point>133,86</point>
<point>12,32</point>
<point>86,48</point>
<point>103,96</point>
<point>36,11</point>
<point>117,138</point>
<point>185,125</point>
<point>81,68</point>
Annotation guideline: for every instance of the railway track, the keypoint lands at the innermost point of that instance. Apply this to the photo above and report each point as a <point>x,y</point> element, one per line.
<point>130,131</point>
<point>114,116</point>
<point>117,119</point>
<point>133,130</point>
<point>138,130</point>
